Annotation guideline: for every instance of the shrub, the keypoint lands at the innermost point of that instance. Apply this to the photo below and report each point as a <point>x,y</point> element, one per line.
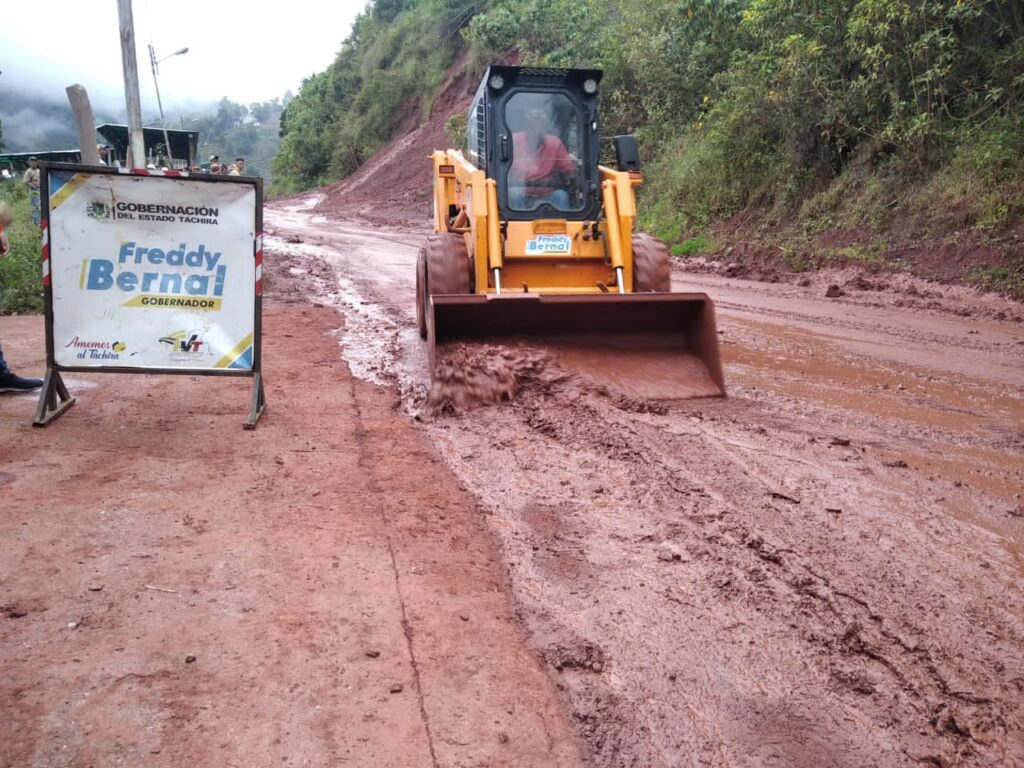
<point>691,247</point>
<point>993,152</point>
<point>21,280</point>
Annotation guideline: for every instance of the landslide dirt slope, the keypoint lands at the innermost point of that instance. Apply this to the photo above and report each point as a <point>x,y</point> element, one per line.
<point>394,187</point>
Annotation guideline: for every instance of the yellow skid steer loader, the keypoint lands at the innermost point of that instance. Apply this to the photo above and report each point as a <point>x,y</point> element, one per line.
<point>534,241</point>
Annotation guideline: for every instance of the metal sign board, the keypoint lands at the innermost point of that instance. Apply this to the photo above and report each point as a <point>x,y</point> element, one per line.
<point>152,272</point>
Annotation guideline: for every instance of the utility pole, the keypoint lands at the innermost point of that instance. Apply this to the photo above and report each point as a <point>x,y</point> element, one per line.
<point>131,84</point>
<point>155,64</point>
<point>163,124</point>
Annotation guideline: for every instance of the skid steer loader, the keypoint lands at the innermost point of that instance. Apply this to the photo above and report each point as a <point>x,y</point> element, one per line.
<point>535,241</point>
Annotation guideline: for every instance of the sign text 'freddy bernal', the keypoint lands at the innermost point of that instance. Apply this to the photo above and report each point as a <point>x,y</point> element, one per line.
<point>200,290</point>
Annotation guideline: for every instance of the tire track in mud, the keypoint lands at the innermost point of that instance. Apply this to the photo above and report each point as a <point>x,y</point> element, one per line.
<point>795,588</point>
<point>850,324</point>
<point>845,615</point>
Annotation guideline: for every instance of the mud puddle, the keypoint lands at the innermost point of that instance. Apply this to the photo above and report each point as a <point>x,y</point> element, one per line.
<point>368,341</point>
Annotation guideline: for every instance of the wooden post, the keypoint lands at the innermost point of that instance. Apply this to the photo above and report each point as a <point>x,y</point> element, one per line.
<point>131,85</point>
<point>82,110</point>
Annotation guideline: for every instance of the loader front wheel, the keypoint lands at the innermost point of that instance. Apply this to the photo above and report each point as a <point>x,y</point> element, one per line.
<point>421,293</point>
<point>651,270</point>
<point>447,264</point>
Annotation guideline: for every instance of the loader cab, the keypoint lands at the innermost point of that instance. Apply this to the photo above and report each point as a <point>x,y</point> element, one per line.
<point>535,132</point>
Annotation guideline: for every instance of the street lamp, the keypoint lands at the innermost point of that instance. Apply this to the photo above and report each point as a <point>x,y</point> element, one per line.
<point>154,63</point>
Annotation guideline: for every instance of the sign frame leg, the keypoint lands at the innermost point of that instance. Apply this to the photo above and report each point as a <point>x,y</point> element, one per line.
<point>259,402</point>
<point>54,399</point>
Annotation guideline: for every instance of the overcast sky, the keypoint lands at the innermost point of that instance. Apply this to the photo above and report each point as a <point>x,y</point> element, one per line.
<point>245,51</point>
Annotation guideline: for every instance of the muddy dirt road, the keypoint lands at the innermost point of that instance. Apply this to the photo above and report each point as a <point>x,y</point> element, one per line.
<point>823,569</point>
<point>175,591</point>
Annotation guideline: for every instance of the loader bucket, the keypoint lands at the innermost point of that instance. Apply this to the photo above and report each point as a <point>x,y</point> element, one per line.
<point>651,345</point>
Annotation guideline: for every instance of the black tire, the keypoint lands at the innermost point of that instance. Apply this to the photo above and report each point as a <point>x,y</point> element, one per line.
<point>448,269</point>
<point>421,293</point>
<point>651,270</point>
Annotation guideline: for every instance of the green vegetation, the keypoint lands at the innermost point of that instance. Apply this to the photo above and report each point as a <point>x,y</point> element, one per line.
<point>21,278</point>
<point>871,254</point>
<point>236,130</point>
<point>386,74</point>
<point>1004,279</point>
<point>816,113</point>
<point>848,110</point>
<point>693,246</point>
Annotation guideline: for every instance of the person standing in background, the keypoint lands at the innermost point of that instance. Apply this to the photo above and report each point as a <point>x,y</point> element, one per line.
<point>238,169</point>
<point>31,178</point>
<point>9,382</point>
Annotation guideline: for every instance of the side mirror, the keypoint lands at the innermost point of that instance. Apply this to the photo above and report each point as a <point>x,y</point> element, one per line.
<point>627,157</point>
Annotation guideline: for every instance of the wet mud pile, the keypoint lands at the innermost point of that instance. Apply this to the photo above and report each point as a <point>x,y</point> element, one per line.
<point>471,375</point>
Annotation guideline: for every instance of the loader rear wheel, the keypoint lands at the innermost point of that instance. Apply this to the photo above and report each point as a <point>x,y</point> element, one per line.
<point>421,293</point>
<point>447,264</point>
<point>650,265</point>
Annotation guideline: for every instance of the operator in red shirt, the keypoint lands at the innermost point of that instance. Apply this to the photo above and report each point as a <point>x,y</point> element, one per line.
<point>538,161</point>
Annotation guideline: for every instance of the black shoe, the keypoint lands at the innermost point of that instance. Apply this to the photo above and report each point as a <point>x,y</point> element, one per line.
<point>11,383</point>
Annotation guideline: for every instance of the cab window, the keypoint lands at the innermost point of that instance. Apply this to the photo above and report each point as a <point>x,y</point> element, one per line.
<point>546,140</point>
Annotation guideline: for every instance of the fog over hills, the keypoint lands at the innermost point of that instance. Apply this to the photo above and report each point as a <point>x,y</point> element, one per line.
<point>36,122</point>
<point>33,124</point>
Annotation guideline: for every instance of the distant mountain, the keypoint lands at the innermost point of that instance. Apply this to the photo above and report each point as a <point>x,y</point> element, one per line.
<point>32,124</point>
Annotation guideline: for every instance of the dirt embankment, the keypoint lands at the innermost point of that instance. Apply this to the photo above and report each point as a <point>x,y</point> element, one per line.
<point>393,189</point>
<point>944,251</point>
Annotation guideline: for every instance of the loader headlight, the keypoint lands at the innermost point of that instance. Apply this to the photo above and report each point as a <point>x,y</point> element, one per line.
<point>497,82</point>
<point>590,86</point>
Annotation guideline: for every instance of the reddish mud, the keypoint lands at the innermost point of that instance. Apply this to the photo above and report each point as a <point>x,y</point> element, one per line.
<point>321,591</point>
<point>466,376</point>
<point>823,569</point>
<point>484,373</point>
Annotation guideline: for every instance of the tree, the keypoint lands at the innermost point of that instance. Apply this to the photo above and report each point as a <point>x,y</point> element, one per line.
<point>229,114</point>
